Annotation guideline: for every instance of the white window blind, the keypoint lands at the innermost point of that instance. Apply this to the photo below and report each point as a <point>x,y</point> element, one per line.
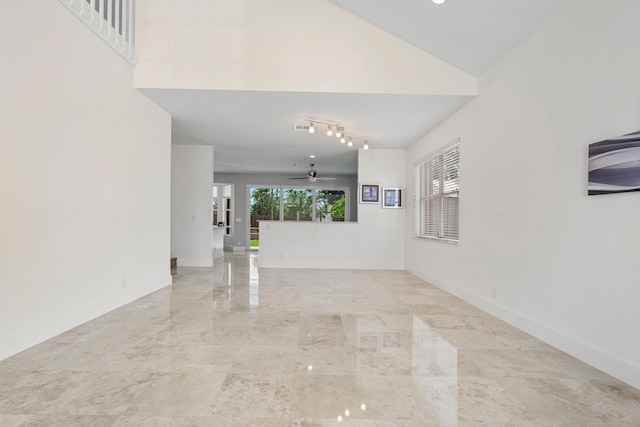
<point>437,194</point>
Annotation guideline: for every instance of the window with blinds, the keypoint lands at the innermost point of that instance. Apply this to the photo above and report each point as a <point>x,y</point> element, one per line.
<point>437,194</point>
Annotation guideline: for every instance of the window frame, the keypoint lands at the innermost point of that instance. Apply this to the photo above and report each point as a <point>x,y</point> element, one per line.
<point>430,195</point>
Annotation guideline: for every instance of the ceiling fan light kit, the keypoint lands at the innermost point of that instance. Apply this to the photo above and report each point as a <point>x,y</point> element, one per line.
<point>312,175</point>
<point>340,133</point>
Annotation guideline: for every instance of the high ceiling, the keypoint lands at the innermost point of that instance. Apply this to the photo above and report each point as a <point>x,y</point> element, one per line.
<point>252,132</point>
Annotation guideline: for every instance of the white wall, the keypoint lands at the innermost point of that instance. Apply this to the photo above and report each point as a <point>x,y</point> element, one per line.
<point>84,178</point>
<point>376,241</point>
<point>240,182</point>
<point>191,205</point>
<point>564,264</point>
<point>247,45</point>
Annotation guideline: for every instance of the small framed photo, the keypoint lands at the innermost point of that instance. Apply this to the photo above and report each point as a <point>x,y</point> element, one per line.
<point>392,198</point>
<point>369,193</point>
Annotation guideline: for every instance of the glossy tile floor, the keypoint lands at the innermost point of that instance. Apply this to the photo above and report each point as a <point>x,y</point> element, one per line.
<point>231,346</point>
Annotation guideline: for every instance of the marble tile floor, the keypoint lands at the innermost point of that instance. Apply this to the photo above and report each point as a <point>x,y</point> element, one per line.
<point>237,346</point>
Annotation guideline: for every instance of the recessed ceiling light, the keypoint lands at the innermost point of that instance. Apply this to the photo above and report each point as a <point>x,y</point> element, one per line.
<point>438,1</point>
<point>312,156</point>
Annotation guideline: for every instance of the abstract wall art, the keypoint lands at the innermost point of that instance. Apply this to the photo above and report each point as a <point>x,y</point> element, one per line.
<point>614,165</point>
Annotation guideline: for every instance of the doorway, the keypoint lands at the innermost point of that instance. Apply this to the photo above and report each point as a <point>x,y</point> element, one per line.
<point>264,204</point>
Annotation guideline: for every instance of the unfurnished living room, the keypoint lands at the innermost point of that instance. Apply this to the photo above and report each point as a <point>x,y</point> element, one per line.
<point>320,212</point>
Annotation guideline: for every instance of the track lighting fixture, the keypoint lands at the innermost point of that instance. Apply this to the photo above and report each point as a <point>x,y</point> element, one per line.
<point>340,132</point>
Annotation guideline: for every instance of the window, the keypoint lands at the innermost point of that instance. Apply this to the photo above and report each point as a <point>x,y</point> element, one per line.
<point>330,205</point>
<point>298,204</point>
<point>437,194</point>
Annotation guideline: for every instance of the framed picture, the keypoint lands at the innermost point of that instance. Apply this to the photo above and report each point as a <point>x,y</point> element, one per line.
<point>392,198</point>
<point>369,193</point>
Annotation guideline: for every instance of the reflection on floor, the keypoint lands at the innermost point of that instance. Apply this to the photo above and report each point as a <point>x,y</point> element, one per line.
<point>231,346</point>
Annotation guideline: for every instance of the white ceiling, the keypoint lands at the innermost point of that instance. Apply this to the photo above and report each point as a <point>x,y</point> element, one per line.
<point>471,35</point>
<point>252,132</point>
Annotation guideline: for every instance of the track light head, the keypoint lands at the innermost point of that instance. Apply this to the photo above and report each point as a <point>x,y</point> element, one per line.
<point>342,136</point>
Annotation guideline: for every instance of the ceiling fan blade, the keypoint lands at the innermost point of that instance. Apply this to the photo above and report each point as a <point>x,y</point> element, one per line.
<point>312,175</point>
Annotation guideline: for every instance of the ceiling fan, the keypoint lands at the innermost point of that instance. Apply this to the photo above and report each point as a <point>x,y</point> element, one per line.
<point>312,175</point>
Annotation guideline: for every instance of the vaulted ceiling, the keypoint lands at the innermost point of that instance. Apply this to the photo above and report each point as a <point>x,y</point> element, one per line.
<point>252,131</point>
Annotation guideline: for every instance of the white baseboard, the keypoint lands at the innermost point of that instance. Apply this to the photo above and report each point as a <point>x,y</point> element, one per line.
<point>195,262</point>
<point>25,339</point>
<point>623,370</point>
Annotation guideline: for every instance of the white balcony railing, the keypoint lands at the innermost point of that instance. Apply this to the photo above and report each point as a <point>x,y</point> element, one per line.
<point>113,20</point>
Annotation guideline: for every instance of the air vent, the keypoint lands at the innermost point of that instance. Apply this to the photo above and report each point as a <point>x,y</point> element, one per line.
<point>301,128</point>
